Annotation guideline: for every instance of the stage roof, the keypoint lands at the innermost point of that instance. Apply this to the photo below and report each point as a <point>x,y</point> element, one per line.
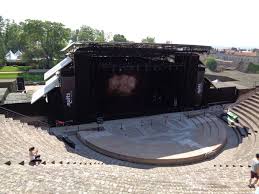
<point>72,47</point>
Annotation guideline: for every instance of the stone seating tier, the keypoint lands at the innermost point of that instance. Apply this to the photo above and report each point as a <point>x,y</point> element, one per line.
<point>227,172</point>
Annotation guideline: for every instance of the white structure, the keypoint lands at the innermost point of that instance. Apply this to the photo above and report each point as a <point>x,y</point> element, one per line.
<point>18,54</point>
<point>52,80</point>
<point>57,67</point>
<point>50,85</point>
<point>11,57</point>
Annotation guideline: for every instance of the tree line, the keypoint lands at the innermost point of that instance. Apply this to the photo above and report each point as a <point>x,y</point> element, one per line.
<point>41,41</point>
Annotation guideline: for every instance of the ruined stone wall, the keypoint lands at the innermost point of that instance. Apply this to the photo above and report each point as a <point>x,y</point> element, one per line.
<point>237,59</point>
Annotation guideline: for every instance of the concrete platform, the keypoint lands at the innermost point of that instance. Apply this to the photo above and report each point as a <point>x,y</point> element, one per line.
<point>162,139</point>
<point>3,94</point>
<point>243,80</point>
<point>17,97</point>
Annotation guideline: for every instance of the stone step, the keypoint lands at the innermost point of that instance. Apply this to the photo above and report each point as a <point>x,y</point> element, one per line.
<point>107,179</point>
<point>251,125</point>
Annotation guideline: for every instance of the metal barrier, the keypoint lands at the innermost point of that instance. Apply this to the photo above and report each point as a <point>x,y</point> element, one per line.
<point>19,116</point>
<point>256,86</point>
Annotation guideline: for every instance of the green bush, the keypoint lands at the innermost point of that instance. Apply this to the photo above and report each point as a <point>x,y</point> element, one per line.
<point>32,76</point>
<point>253,68</point>
<point>211,63</point>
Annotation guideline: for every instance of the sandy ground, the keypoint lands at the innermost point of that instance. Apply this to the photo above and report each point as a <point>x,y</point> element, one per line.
<point>32,87</point>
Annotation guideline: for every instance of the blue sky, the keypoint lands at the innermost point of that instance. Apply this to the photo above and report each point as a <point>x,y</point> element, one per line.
<point>208,22</point>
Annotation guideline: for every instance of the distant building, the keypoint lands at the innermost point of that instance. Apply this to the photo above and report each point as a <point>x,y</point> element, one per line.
<point>13,57</point>
<point>238,56</point>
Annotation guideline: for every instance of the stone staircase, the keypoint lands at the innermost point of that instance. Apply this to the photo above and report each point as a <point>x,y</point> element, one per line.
<point>247,111</point>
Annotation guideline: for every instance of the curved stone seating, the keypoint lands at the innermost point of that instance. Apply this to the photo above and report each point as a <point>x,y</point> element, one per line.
<point>115,179</point>
<point>22,136</point>
<point>249,142</point>
<point>248,116</point>
<point>202,177</point>
<point>16,138</point>
<point>245,122</point>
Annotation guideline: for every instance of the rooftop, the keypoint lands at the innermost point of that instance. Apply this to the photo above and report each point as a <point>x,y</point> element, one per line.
<point>172,47</point>
<point>242,53</point>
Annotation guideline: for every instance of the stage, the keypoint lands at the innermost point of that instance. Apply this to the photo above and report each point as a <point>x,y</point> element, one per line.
<point>165,139</point>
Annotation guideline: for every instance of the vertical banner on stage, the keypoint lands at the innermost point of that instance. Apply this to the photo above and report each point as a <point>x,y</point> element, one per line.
<point>68,97</point>
<point>199,85</point>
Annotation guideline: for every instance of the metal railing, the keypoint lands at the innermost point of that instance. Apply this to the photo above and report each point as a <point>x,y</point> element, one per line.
<point>256,86</point>
<point>23,118</point>
<point>205,110</point>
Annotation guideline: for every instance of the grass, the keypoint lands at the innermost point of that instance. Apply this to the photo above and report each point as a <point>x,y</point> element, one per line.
<point>253,68</point>
<point>14,68</point>
<point>9,76</point>
<point>27,76</point>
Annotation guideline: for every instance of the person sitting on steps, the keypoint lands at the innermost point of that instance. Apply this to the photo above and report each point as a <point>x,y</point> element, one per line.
<point>254,171</point>
<point>34,156</point>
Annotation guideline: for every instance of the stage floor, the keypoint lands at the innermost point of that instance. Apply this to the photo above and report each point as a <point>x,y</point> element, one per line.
<point>161,139</point>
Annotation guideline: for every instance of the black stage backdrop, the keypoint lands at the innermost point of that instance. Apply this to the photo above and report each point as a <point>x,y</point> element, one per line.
<point>133,83</point>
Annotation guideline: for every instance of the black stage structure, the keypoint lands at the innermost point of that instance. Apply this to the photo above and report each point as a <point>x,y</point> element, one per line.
<point>119,80</point>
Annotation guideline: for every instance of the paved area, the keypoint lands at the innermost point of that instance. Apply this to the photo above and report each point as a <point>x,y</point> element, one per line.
<point>32,87</point>
<point>17,97</point>
<point>158,139</point>
<point>243,80</point>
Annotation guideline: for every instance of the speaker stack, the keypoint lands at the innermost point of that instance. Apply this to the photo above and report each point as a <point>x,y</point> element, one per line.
<point>20,84</point>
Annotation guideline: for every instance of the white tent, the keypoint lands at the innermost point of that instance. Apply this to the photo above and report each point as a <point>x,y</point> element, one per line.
<point>10,57</point>
<point>18,55</point>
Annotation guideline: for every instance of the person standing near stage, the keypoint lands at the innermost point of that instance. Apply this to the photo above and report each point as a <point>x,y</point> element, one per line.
<point>254,171</point>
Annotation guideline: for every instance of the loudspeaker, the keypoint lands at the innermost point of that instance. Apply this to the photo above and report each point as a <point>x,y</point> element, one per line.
<point>20,84</point>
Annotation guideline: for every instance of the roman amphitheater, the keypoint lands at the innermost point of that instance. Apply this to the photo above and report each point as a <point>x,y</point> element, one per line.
<point>155,125</point>
<point>72,167</point>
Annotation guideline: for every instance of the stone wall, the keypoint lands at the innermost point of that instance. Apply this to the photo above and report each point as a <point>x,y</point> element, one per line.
<point>237,59</point>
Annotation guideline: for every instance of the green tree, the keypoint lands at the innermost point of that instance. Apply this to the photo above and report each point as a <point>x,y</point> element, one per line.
<point>86,33</point>
<point>211,63</point>
<point>2,41</point>
<point>44,40</point>
<point>74,35</point>
<point>253,68</point>
<point>148,39</point>
<point>12,38</point>
<point>119,38</point>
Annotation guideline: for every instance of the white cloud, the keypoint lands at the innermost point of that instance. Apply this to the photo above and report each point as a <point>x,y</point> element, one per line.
<point>209,22</point>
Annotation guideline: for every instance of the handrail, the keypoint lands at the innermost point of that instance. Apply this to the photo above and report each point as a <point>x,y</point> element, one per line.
<point>25,116</point>
<point>256,85</point>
